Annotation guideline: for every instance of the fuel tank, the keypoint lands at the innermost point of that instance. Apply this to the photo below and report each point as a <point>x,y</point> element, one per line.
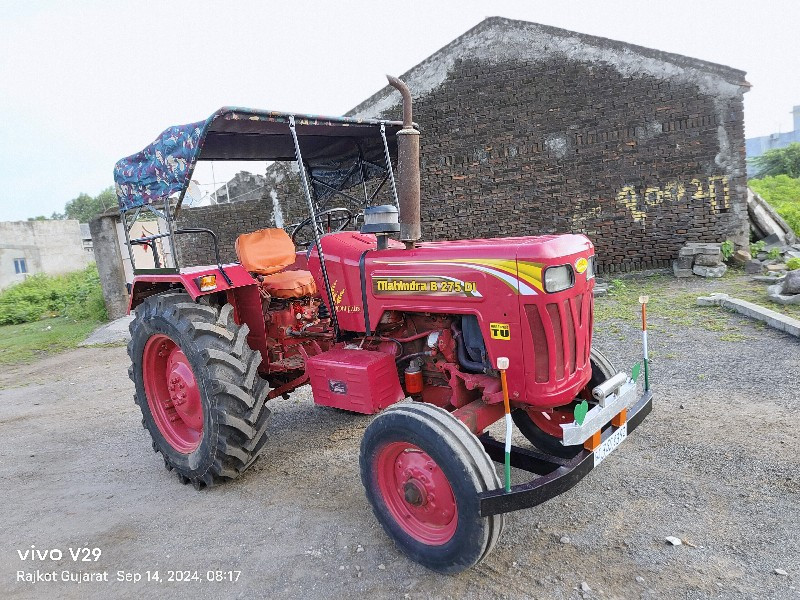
<point>544,331</point>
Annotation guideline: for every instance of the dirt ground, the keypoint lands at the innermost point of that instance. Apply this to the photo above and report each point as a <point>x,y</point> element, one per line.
<point>715,464</point>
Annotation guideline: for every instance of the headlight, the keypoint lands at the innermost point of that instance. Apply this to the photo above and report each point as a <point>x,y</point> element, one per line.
<point>590,268</point>
<point>557,279</point>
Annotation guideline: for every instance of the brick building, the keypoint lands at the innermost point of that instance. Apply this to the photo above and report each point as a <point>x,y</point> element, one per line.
<point>528,129</point>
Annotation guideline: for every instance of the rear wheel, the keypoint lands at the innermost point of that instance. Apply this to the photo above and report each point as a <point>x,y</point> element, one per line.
<point>198,387</point>
<point>543,429</point>
<point>422,470</point>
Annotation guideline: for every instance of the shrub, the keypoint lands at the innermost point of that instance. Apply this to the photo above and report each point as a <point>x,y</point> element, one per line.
<point>756,247</point>
<point>76,295</point>
<point>793,264</point>
<point>783,194</point>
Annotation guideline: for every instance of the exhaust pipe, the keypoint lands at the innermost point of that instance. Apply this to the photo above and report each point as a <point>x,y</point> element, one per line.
<point>407,170</point>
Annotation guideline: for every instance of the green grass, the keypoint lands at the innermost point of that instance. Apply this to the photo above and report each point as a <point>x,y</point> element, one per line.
<point>666,306</point>
<point>671,307</point>
<point>783,193</point>
<point>29,341</point>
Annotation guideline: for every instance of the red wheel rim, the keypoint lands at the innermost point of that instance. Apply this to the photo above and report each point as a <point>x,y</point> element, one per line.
<point>550,422</point>
<point>417,493</point>
<point>172,393</point>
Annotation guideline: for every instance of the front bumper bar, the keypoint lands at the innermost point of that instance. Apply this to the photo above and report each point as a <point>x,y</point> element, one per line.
<point>599,416</point>
<point>556,475</point>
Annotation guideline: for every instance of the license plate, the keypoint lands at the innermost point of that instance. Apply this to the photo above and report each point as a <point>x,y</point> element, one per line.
<point>611,444</point>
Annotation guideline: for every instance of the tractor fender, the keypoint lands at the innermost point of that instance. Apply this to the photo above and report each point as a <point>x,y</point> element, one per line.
<point>242,294</point>
<point>148,284</point>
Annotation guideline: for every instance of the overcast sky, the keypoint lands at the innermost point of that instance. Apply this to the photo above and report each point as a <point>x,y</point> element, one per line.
<point>84,83</point>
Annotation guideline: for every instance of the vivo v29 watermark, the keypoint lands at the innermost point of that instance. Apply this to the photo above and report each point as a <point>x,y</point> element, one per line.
<point>82,565</point>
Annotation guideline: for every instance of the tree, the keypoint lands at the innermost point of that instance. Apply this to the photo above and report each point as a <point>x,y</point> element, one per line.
<point>85,207</point>
<point>779,161</point>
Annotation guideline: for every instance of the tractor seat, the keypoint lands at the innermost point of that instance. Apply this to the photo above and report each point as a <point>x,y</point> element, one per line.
<point>268,252</point>
<point>265,251</point>
<point>290,284</point>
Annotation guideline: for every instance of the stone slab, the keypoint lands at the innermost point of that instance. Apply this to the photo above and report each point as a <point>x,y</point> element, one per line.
<point>767,279</point>
<point>704,271</point>
<point>741,257</point>
<point>693,248</point>
<point>681,272</point>
<point>753,311</point>
<point>708,260</point>
<point>776,267</point>
<point>775,293</point>
<point>791,284</point>
<point>753,266</point>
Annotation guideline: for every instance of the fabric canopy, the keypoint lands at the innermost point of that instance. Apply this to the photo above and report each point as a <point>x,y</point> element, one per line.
<point>331,148</point>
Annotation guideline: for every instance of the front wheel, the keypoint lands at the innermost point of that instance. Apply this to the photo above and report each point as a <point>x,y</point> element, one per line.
<point>423,470</point>
<point>543,429</point>
<point>198,387</point>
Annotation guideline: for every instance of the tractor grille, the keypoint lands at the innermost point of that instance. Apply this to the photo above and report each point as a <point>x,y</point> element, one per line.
<point>561,333</point>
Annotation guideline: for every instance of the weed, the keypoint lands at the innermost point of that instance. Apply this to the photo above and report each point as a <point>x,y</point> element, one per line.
<point>757,247</point>
<point>727,249</point>
<point>733,336</point>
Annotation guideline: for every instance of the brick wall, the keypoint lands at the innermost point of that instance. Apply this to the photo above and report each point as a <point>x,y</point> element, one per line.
<point>642,152</point>
<point>547,148</point>
<point>227,221</point>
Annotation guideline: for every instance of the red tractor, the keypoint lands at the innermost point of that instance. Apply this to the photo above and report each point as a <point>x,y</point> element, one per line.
<point>442,339</point>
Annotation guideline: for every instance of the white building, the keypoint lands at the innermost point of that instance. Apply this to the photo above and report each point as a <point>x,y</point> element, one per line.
<point>30,247</point>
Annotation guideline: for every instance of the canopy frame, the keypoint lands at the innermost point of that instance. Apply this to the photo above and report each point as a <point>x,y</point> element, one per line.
<point>329,146</point>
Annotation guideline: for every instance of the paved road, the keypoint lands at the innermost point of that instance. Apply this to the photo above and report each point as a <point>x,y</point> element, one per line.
<point>716,465</point>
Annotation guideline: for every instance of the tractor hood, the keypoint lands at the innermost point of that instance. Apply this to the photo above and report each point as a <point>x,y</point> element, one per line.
<point>545,247</point>
<point>437,276</point>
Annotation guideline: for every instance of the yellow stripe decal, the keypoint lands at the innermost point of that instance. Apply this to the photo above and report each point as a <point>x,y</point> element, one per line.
<point>524,272</point>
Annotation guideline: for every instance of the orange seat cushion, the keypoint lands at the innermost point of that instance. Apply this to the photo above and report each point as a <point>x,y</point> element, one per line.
<point>265,251</point>
<point>290,284</point>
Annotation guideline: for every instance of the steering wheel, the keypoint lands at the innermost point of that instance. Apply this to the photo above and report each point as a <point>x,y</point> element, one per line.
<point>333,220</point>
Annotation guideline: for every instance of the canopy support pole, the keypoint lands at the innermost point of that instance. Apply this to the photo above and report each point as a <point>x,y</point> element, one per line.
<point>168,219</point>
<point>315,228</point>
<point>126,229</point>
<point>389,164</point>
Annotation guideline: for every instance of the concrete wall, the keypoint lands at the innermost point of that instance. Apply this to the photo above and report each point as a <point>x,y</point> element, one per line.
<point>51,247</point>
<point>528,130</point>
<point>142,255</point>
<point>108,257</point>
